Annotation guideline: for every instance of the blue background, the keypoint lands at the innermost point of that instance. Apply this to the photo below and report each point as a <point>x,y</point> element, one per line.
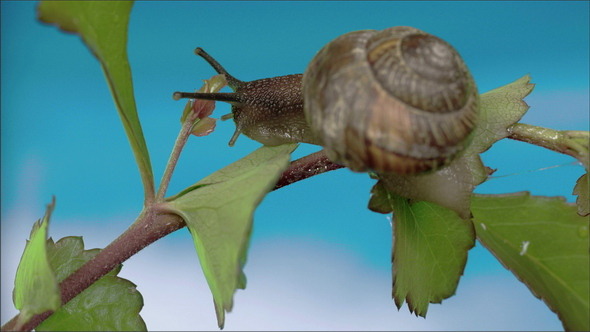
<point>61,135</point>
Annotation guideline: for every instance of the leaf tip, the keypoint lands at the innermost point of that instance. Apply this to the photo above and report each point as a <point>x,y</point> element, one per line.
<point>51,205</point>
<point>418,309</point>
<point>398,299</point>
<point>48,12</point>
<point>220,313</point>
<point>526,81</point>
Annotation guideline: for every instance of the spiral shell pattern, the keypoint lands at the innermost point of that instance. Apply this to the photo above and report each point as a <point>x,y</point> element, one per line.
<point>397,100</point>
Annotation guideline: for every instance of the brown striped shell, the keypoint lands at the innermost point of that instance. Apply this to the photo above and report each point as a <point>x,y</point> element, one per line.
<point>397,100</point>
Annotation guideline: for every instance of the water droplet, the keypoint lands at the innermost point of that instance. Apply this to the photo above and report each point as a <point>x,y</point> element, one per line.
<point>583,231</point>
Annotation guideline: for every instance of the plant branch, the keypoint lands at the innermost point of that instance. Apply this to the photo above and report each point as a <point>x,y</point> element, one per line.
<point>183,135</point>
<point>151,225</point>
<point>193,113</point>
<point>306,167</point>
<point>570,142</point>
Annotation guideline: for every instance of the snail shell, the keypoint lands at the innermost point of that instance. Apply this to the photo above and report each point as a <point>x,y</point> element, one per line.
<point>397,100</point>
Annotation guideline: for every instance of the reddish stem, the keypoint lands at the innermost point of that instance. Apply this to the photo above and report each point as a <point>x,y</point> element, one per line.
<point>306,167</point>
<point>148,228</point>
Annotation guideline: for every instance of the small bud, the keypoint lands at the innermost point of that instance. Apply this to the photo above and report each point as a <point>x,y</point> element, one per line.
<point>203,108</point>
<point>204,127</point>
<point>198,110</point>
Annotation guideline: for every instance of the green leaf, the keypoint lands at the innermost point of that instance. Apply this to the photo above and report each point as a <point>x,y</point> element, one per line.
<point>36,289</point>
<point>218,211</point>
<point>102,25</point>
<point>451,186</point>
<point>500,108</point>
<point>110,304</point>
<point>582,190</point>
<point>545,244</point>
<point>433,234</point>
<point>430,248</point>
<point>380,199</point>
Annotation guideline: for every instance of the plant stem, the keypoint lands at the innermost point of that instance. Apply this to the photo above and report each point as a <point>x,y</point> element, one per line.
<point>183,135</point>
<point>305,167</point>
<point>572,143</point>
<point>150,226</point>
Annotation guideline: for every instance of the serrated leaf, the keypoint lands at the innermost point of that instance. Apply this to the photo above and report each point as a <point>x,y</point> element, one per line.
<point>218,212</point>
<point>545,244</point>
<point>36,288</point>
<point>102,25</point>
<point>429,253</point>
<point>500,108</point>
<point>430,248</point>
<point>582,190</point>
<point>451,186</point>
<point>110,304</point>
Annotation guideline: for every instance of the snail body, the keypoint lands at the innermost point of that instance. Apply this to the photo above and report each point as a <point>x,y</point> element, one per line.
<point>397,101</point>
<point>269,96</point>
<point>268,110</point>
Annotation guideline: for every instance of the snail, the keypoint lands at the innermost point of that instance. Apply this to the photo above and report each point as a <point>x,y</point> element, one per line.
<point>397,101</point>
